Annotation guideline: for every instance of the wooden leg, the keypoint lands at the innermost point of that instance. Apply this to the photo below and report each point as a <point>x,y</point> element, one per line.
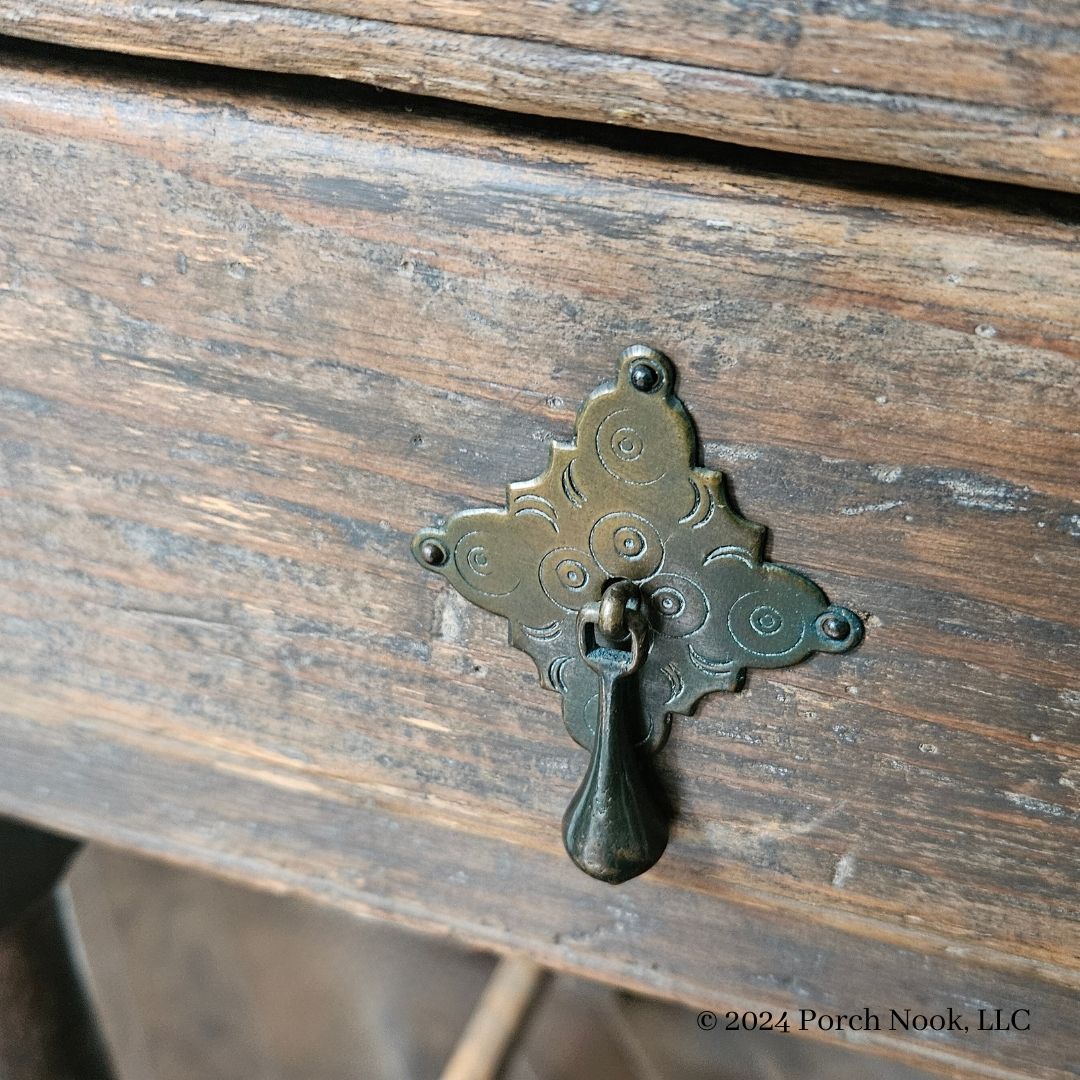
<point>47,1029</point>
<point>497,1020</point>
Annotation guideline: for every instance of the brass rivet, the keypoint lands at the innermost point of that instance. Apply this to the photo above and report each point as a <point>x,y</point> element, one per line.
<point>832,626</point>
<point>644,377</point>
<point>433,553</point>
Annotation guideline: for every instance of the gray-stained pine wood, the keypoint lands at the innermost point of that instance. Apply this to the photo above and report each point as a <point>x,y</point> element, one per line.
<point>252,338</point>
<point>962,86</point>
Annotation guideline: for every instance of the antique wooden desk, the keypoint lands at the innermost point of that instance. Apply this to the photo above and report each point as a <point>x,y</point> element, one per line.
<point>258,326</point>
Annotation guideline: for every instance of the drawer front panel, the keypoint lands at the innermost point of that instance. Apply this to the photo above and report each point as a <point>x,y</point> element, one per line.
<point>251,343</point>
<point>981,90</point>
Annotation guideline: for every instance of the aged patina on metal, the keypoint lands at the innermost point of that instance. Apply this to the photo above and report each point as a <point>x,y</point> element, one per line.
<point>636,589</point>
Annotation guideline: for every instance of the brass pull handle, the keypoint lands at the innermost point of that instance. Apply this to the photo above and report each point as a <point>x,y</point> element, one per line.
<point>624,561</point>
<point>616,824</point>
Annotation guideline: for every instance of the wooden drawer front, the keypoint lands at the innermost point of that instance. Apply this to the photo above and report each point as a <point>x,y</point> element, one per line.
<point>250,343</point>
<point>958,86</point>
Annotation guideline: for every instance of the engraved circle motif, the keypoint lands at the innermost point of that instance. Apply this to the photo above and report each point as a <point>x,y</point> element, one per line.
<point>627,444</point>
<point>766,620</point>
<point>626,546</point>
<point>625,453</point>
<point>760,628</point>
<point>474,562</point>
<point>569,578</point>
<point>676,606</point>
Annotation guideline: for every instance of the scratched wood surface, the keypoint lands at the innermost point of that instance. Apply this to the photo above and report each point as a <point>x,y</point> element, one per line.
<point>961,86</point>
<point>252,339</point>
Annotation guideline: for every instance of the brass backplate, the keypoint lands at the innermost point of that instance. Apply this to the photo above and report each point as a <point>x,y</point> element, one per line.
<point>626,501</point>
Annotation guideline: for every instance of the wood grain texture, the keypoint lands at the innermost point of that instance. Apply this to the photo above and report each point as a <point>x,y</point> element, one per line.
<point>972,88</point>
<point>251,342</point>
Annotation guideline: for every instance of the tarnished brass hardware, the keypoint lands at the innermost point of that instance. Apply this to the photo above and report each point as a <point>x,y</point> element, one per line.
<point>636,589</point>
<point>616,824</point>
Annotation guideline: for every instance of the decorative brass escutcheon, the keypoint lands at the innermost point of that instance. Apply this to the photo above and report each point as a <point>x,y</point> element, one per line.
<point>636,589</point>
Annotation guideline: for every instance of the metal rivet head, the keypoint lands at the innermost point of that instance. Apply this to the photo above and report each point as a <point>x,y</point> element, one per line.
<point>835,627</point>
<point>433,553</point>
<point>644,377</point>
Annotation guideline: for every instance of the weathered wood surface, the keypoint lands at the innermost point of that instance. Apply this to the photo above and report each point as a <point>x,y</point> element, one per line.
<point>250,343</point>
<point>974,88</point>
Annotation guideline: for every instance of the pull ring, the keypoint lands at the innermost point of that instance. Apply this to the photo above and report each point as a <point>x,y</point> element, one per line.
<point>620,603</point>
